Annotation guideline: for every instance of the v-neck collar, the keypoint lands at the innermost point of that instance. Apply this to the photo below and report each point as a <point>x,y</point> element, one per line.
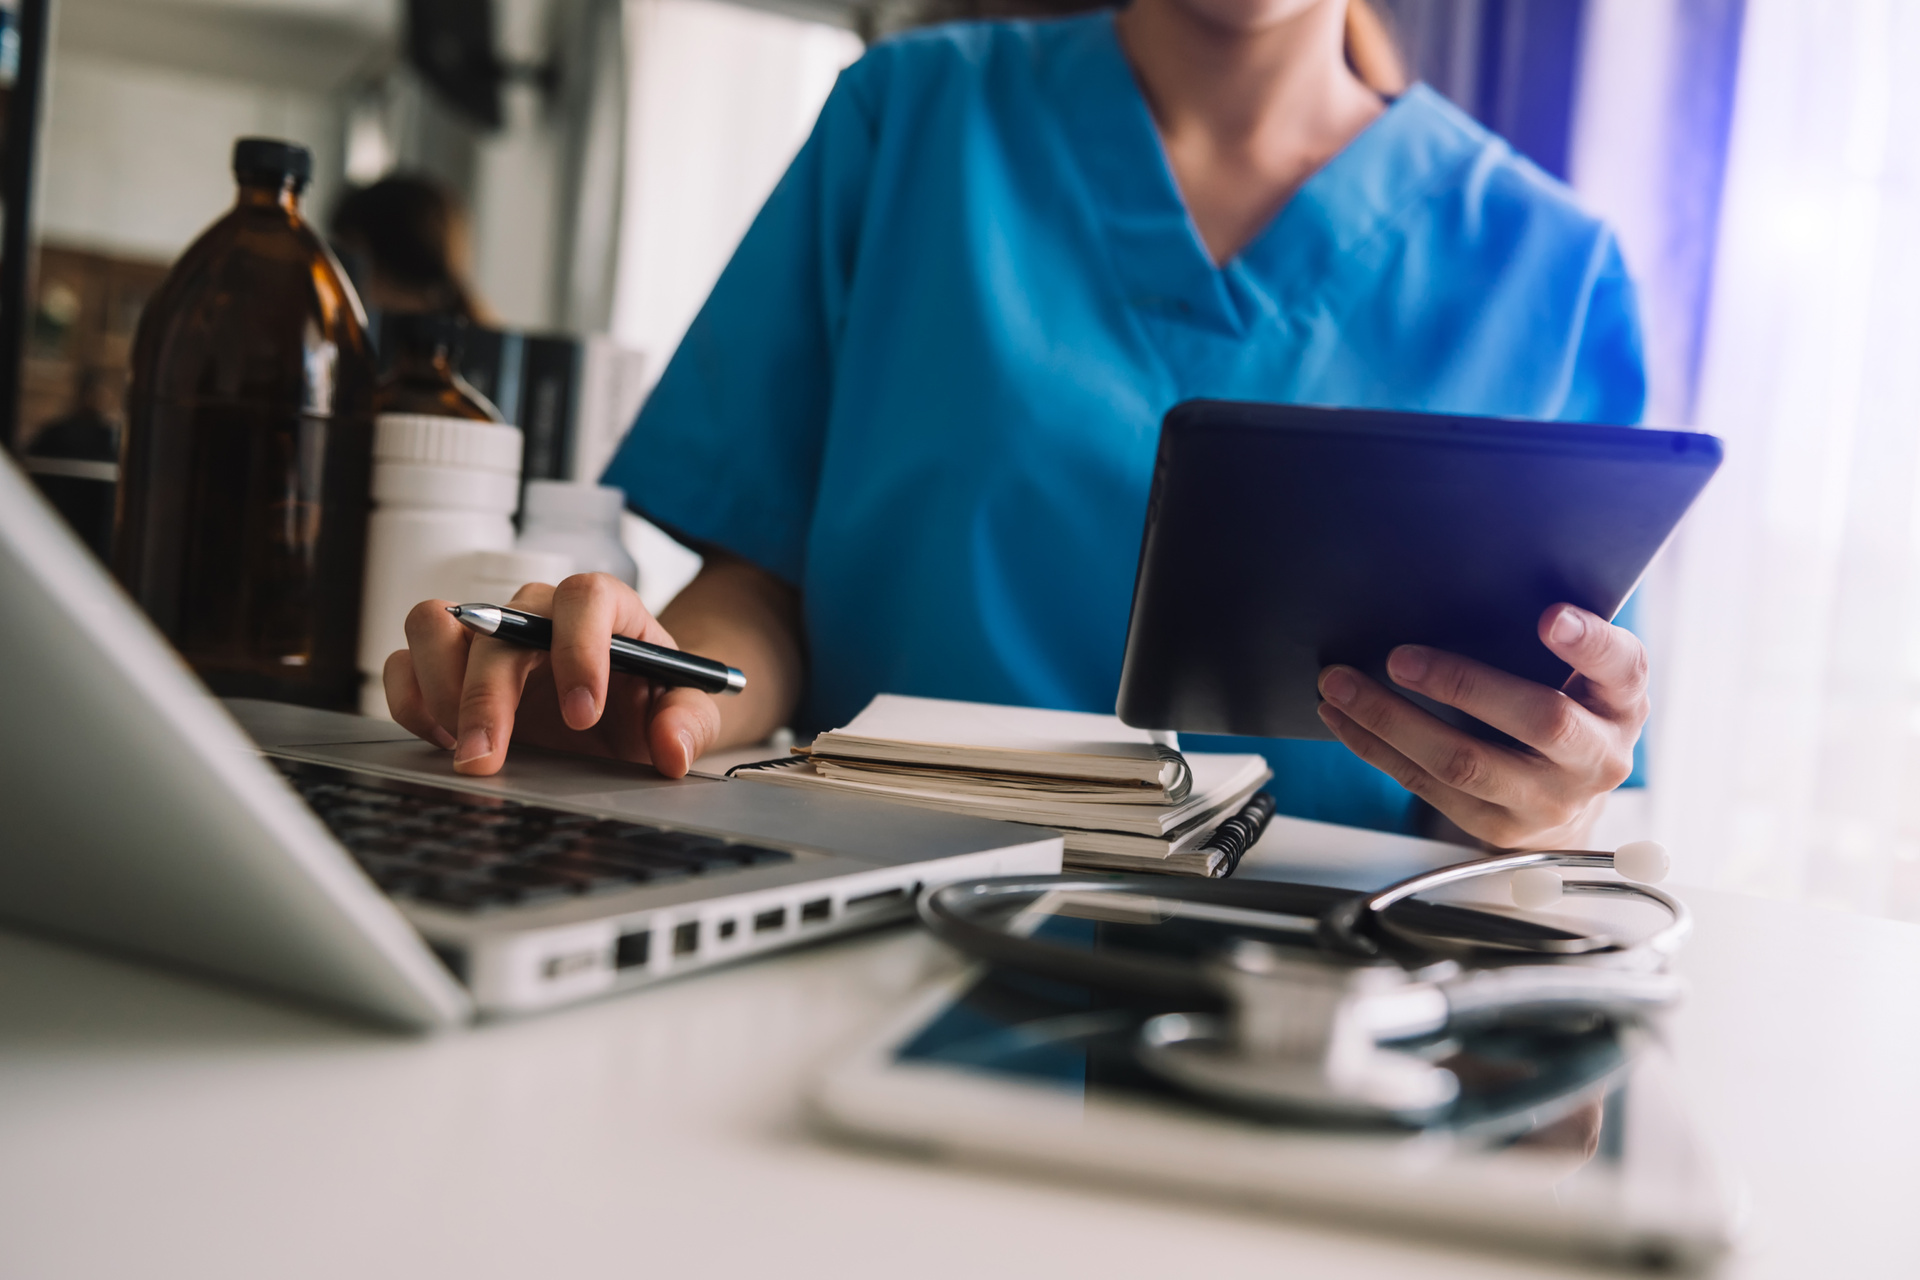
<point>1164,266</point>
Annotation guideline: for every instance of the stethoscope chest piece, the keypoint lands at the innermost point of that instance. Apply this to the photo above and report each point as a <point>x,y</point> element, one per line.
<point>1306,1035</point>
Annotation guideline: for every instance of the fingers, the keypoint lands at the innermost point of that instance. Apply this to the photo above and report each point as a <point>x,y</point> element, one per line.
<point>1610,660</point>
<point>437,647</point>
<point>1583,735</point>
<point>685,723</point>
<point>1455,759</point>
<point>496,676</point>
<point>475,685</point>
<point>1499,826</point>
<point>407,704</point>
<point>588,610</point>
<point>1545,719</point>
<point>1468,813</point>
<point>489,700</point>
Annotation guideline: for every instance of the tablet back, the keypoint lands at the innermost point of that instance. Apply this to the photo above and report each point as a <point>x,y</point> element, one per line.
<point>1281,538</point>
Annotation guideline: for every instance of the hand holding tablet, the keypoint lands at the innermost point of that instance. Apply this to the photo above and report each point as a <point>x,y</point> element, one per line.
<point>1449,578</point>
<point>1573,744</point>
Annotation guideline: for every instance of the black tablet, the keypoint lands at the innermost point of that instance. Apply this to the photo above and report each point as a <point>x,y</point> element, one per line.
<point>1281,538</point>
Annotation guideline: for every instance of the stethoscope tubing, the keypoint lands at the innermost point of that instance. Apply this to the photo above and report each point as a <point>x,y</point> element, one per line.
<point>1352,927</point>
<point>1150,980</point>
<point>1345,922</point>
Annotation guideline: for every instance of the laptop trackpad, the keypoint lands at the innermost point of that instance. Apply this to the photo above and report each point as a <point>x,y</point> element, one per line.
<point>529,774</point>
<point>278,724</point>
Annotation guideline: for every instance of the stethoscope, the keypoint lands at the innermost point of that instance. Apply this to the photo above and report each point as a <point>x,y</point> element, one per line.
<point>1335,1004</point>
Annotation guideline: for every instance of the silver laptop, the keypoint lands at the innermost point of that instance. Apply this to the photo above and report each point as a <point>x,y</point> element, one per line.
<point>340,860</point>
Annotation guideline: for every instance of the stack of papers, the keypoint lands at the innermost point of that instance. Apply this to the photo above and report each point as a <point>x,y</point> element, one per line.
<point>1122,798</point>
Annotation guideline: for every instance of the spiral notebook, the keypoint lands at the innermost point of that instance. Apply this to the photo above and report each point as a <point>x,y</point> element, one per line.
<point>1122,798</point>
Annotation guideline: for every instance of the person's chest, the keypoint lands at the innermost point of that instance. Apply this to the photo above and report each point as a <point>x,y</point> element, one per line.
<point>1030,291</point>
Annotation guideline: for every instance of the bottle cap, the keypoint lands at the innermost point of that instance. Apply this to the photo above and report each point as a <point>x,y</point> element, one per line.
<point>563,502</point>
<point>272,158</point>
<point>447,442</point>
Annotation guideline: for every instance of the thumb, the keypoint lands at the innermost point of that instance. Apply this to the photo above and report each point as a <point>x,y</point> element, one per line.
<point>686,722</point>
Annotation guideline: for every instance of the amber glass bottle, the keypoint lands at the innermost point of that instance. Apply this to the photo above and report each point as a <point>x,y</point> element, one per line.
<point>422,349</point>
<point>245,464</point>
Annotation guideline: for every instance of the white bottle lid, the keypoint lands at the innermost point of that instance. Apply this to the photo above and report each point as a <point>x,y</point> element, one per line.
<point>563,502</point>
<point>424,440</point>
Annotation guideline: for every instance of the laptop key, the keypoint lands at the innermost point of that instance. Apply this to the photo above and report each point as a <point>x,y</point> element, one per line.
<point>459,892</point>
<point>497,852</point>
<point>654,838</point>
<point>592,873</point>
<point>648,855</point>
<point>611,829</point>
<point>383,869</point>
<point>740,855</point>
<point>629,857</point>
<point>685,841</point>
<point>524,879</point>
<point>758,855</point>
<point>455,864</point>
<point>720,857</point>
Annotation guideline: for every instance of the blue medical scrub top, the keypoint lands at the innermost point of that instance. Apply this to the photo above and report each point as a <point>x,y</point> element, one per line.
<point>927,389</point>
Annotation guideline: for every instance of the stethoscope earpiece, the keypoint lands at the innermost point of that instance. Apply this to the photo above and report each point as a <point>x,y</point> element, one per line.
<point>1641,861</point>
<point>1536,887</point>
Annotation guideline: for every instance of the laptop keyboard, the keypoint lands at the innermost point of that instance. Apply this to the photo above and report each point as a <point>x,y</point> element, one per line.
<point>470,852</point>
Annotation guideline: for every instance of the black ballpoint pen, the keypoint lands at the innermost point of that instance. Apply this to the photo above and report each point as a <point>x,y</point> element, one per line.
<point>629,657</point>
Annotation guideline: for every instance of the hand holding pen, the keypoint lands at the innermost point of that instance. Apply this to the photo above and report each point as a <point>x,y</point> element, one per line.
<point>552,678</point>
<point>669,668</point>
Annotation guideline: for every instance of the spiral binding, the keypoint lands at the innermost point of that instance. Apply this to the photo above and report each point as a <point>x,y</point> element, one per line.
<point>1239,833</point>
<point>1182,780</point>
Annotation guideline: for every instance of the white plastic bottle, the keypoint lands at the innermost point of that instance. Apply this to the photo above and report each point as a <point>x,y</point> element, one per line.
<point>494,576</point>
<point>443,488</point>
<point>581,521</point>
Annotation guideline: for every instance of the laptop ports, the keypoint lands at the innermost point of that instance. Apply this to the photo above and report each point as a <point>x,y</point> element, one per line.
<point>768,921</point>
<point>631,951</point>
<point>567,965</point>
<point>884,900</point>
<point>816,911</point>
<point>686,938</point>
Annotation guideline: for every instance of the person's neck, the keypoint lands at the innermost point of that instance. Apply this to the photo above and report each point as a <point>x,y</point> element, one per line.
<point>1246,116</point>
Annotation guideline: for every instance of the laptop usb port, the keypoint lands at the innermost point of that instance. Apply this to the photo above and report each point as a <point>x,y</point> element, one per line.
<point>630,952</point>
<point>686,938</point>
<point>768,921</point>
<point>817,910</point>
<point>575,962</point>
<point>876,901</point>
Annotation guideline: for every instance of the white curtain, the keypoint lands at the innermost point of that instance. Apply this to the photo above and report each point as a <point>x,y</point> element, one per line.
<point>1786,748</point>
<point>721,97</point>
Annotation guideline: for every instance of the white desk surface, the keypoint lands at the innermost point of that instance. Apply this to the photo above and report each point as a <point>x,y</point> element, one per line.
<point>153,1126</point>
